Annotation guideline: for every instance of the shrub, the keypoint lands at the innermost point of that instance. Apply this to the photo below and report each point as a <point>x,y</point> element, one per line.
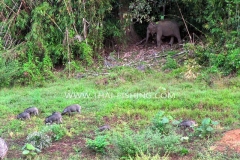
<point>161,122</point>
<point>129,143</point>
<point>98,144</point>
<point>29,151</point>
<point>143,156</point>
<point>9,70</point>
<point>170,64</point>
<point>207,128</point>
<point>55,131</point>
<point>39,140</point>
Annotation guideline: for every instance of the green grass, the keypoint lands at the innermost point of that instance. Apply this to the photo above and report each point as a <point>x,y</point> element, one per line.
<point>129,97</point>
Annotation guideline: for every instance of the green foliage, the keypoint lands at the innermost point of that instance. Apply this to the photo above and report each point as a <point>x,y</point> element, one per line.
<point>184,151</point>
<point>129,143</point>
<point>207,128</point>
<point>99,144</point>
<point>39,140</point>
<point>142,10</point>
<point>227,62</point>
<point>86,53</point>
<point>29,151</point>
<point>161,122</point>
<point>143,156</point>
<point>55,131</point>
<point>170,64</point>
<point>9,70</point>
<point>44,34</point>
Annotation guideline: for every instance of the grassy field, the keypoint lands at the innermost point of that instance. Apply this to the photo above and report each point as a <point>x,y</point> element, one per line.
<point>125,98</point>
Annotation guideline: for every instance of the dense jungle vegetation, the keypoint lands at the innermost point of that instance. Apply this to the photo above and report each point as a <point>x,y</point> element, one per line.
<point>37,37</point>
<point>55,53</point>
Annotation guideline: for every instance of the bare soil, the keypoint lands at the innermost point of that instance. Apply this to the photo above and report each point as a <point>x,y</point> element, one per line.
<point>230,141</point>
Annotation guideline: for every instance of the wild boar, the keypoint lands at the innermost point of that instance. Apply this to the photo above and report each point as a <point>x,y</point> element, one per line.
<point>32,110</point>
<point>23,116</point>
<point>55,117</point>
<point>72,108</point>
<point>187,123</point>
<point>103,128</point>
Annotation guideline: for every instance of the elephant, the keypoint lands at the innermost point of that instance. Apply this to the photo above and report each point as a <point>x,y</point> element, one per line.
<point>164,28</point>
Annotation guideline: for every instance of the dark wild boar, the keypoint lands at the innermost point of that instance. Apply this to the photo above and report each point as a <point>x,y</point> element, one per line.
<point>55,117</point>
<point>32,110</point>
<point>23,116</point>
<point>103,128</point>
<point>72,108</point>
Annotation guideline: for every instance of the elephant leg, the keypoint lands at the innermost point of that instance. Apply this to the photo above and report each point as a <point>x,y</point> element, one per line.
<point>159,35</point>
<point>147,38</point>
<point>179,39</point>
<point>177,35</point>
<point>171,41</point>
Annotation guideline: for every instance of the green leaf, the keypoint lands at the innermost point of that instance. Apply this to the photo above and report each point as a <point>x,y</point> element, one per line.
<point>37,150</point>
<point>30,147</point>
<point>25,152</point>
<point>206,121</point>
<point>209,129</point>
<point>165,120</point>
<point>215,122</point>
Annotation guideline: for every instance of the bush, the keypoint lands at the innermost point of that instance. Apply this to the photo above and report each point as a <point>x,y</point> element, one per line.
<point>29,151</point>
<point>9,71</point>
<point>225,61</point>
<point>99,144</point>
<point>207,128</point>
<point>161,122</point>
<point>55,131</point>
<point>143,156</point>
<point>129,143</point>
<point>39,140</point>
<point>170,64</point>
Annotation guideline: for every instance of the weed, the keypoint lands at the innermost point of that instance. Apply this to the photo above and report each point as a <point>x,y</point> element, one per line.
<point>183,151</point>
<point>207,128</point>
<point>39,140</point>
<point>129,143</point>
<point>161,122</point>
<point>143,156</point>
<point>99,144</point>
<point>29,151</point>
<point>56,132</point>
<point>170,64</point>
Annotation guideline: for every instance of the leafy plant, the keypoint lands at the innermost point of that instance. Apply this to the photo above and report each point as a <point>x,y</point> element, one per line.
<point>29,151</point>
<point>170,64</point>
<point>39,140</point>
<point>9,71</point>
<point>184,151</point>
<point>129,143</point>
<point>143,156</point>
<point>56,132</point>
<point>207,128</point>
<point>161,122</point>
<point>99,144</point>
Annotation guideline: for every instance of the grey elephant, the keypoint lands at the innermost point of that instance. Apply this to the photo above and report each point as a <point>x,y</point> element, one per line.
<point>164,28</point>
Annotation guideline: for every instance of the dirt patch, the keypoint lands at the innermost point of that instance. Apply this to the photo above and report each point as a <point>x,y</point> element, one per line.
<point>230,141</point>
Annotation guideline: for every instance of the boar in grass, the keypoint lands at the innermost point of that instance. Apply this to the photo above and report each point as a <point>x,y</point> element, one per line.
<point>55,117</point>
<point>103,128</point>
<point>72,108</point>
<point>32,111</point>
<point>23,116</point>
<point>188,124</point>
